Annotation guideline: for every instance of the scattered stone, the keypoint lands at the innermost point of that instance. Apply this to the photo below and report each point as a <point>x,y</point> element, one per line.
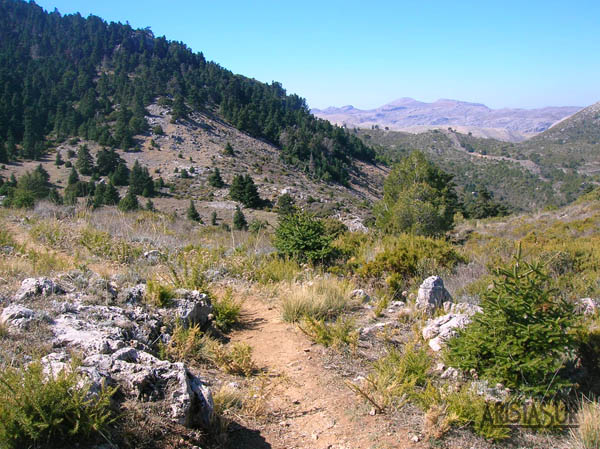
<point>153,256</point>
<point>451,373</point>
<point>192,307</point>
<point>16,315</point>
<point>587,306</point>
<point>366,331</point>
<point>360,294</point>
<point>31,287</point>
<point>135,294</point>
<point>441,329</point>
<point>432,294</point>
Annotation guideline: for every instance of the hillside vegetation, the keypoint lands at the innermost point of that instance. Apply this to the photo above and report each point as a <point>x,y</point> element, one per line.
<point>72,76</point>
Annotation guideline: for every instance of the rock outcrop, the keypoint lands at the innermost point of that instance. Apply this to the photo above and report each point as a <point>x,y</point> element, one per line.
<point>31,287</point>
<point>441,329</point>
<point>432,294</point>
<point>117,344</point>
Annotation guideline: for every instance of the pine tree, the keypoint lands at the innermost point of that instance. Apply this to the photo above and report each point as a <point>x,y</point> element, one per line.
<point>192,213</point>
<point>237,189</point>
<point>239,220</point>
<point>59,160</point>
<point>150,205</point>
<point>3,154</point>
<point>285,204</point>
<point>250,197</point>
<point>213,218</point>
<point>73,177</point>
<point>55,197</point>
<point>85,162</point>
<point>215,180</point>
<point>111,195</point>
<point>120,177</point>
<point>129,202</point>
<point>228,151</point>
<point>99,195</point>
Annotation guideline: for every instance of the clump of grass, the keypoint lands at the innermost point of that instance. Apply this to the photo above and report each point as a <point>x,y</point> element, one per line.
<point>158,294</point>
<point>3,330</point>
<point>401,375</point>
<point>46,262</point>
<point>236,359</point>
<point>101,244</point>
<point>226,311</point>
<point>324,298</point>
<point>50,232</point>
<point>587,434</point>
<point>227,399</point>
<point>6,238</point>
<point>338,334</point>
<point>277,269</point>
<point>50,411</point>
<point>188,343</point>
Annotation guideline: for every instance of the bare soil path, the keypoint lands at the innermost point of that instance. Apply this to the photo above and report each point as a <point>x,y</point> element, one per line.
<point>311,407</point>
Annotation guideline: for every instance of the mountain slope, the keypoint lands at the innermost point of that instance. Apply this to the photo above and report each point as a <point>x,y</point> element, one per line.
<point>66,75</point>
<point>414,116</point>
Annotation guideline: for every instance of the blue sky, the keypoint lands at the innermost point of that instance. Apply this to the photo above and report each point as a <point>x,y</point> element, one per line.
<point>527,53</point>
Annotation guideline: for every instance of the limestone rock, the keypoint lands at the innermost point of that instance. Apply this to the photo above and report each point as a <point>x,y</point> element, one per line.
<point>192,307</point>
<point>441,329</point>
<point>588,306</point>
<point>432,294</point>
<point>16,315</point>
<point>31,287</point>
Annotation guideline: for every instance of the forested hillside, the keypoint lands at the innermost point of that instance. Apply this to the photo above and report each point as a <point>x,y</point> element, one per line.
<point>67,76</point>
<point>524,176</point>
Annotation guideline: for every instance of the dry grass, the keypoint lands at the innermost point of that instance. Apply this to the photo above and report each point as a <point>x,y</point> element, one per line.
<point>587,435</point>
<point>323,298</point>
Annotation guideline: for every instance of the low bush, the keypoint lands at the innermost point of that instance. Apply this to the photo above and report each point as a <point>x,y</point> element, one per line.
<point>38,411</point>
<point>338,334</point>
<point>236,359</point>
<point>188,343</point>
<point>524,337</point>
<point>226,311</point>
<point>158,294</point>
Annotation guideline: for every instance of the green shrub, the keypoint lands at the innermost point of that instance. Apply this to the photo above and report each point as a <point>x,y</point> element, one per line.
<point>226,311</point>
<point>407,256</point>
<point>400,376</point>
<point>340,333</point>
<point>188,343</point>
<point>523,337</point>
<point>236,359</point>
<point>50,411</point>
<point>303,237</point>
<point>158,294</point>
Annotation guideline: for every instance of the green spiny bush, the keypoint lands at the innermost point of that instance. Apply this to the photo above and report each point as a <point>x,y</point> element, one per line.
<point>226,311</point>
<point>338,334</point>
<point>40,411</point>
<point>524,335</point>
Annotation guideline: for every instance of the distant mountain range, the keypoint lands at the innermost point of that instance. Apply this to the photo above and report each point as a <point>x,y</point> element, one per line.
<point>407,114</point>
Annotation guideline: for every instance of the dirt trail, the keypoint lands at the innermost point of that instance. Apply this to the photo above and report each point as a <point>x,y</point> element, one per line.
<point>314,408</point>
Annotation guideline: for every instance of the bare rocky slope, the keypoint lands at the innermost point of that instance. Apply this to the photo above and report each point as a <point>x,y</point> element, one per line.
<point>407,114</point>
